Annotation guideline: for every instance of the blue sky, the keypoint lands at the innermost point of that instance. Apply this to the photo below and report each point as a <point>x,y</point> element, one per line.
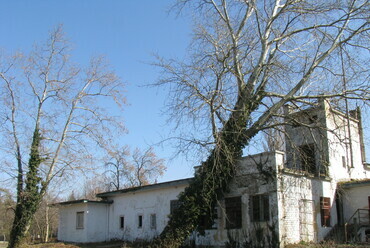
<point>128,32</point>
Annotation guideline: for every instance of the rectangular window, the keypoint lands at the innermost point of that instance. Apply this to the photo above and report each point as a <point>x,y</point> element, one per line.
<point>307,158</point>
<point>233,209</point>
<point>209,222</point>
<point>153,221</point>
<point>80,220</point>
<point>344,162</point>
<point>140,221</point>
<point>325,211</point>
<point>121,222</point>
<point>174,204</point>
<point>260,208</point>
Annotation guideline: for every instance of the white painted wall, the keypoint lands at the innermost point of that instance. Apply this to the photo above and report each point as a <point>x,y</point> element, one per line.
<point>248,181</point>
<point>290,192</point>
<point>355,198</point>
<point>95,222</point>
<point>67,230</point>
<point>142,202</point>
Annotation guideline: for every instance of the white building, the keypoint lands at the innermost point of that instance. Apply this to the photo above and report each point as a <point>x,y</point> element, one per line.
<point>319,188</point>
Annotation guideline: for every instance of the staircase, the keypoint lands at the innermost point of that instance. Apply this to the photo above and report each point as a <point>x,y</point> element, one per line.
<point>357,228</point>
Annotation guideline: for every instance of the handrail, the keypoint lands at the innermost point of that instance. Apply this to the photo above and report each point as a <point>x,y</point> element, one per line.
<point>361,213</point>
<point>363,218</point>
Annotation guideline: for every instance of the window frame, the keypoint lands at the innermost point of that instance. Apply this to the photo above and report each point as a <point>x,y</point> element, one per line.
<point>325,206</point>
<point>174,204</point>
<point>122,222</point>
<point>153,221</point>
<point>233,212</point>
<point>307,158</point>
<point>259,208</point>
<point>80,219</point>
<point>140,221</point>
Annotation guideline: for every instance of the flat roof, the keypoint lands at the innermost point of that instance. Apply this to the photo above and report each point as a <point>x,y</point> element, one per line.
<point>147,187</point>
<point>355,183</point>
<point>81,201</point>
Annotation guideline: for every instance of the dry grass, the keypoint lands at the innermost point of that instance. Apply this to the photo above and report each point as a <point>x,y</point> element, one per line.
<point>90,245</point>
<point>123,245</point>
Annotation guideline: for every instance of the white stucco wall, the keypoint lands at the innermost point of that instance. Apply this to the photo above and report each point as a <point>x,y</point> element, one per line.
<point>145,203</point>
<point>294,196</point>
<point>67,230</point>
<point>95,222</point>
<point>355,198</point>
<point>248,181</point>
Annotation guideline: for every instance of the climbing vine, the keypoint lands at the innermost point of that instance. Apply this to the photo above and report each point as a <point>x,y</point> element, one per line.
<point>209,184</point>
<point>30,197</point>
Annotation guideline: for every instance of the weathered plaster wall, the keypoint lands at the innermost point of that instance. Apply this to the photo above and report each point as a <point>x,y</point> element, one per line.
<point>255,176</point>
<point>67,230</point>
<point>97,222</point>
<point>144,203</point>
<point>355,198</point>
<point>299,208</point>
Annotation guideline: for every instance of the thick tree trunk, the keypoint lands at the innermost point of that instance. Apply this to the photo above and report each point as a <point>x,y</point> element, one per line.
<point>200,197</point>
<point>24,213</point>
<point>29,198</point>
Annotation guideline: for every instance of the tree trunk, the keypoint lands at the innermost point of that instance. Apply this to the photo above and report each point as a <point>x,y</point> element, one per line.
<point>200,197</point>
<point>22,221</point>
<point>47,223</point>
<point>28,199</point>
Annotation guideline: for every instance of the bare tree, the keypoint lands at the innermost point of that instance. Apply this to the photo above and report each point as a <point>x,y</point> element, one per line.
<point>6,213</point>
<point>248,59</point>
<point>45,221</point>
<point>145,168</point>
<point>52,117</point>
<point>140,168</point>
<point>117,166</point>
<point>93,186</point>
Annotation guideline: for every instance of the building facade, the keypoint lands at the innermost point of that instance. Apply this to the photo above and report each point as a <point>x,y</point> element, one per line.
<point>317,188</point>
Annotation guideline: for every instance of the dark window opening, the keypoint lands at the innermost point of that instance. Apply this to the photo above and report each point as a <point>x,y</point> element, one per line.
<point>325,211</point>
<point>307,158</point>
<point>153,221</point>
<point>208,222</point>
<point>121,222</point>
<point>80,220</point>
<point>140,221</point>
<point>260,208</point>
<point>233,209</point>
<point>174,204</point>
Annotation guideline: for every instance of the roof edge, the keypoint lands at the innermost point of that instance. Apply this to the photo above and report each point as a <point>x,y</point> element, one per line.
<point>146,187</point>
<point>354,183</point>
<point>79,202</point>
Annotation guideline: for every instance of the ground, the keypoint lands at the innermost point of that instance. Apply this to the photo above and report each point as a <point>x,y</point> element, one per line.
<point>123,245</point>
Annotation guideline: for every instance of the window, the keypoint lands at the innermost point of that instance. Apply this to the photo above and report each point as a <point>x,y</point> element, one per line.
<point>233,209</point>
<point>260,208</point>
<point>174,204</point>
<point>209,222</point>
<point>153,221</point>
<point>121,222</point>
<point>140,221</point>
<point>307,158</point>
<point>80,220</point>
<point>344,161</point>
<point>325,211</point>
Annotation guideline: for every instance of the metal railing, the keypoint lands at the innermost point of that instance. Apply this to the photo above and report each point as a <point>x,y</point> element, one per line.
<point>359,219</point>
